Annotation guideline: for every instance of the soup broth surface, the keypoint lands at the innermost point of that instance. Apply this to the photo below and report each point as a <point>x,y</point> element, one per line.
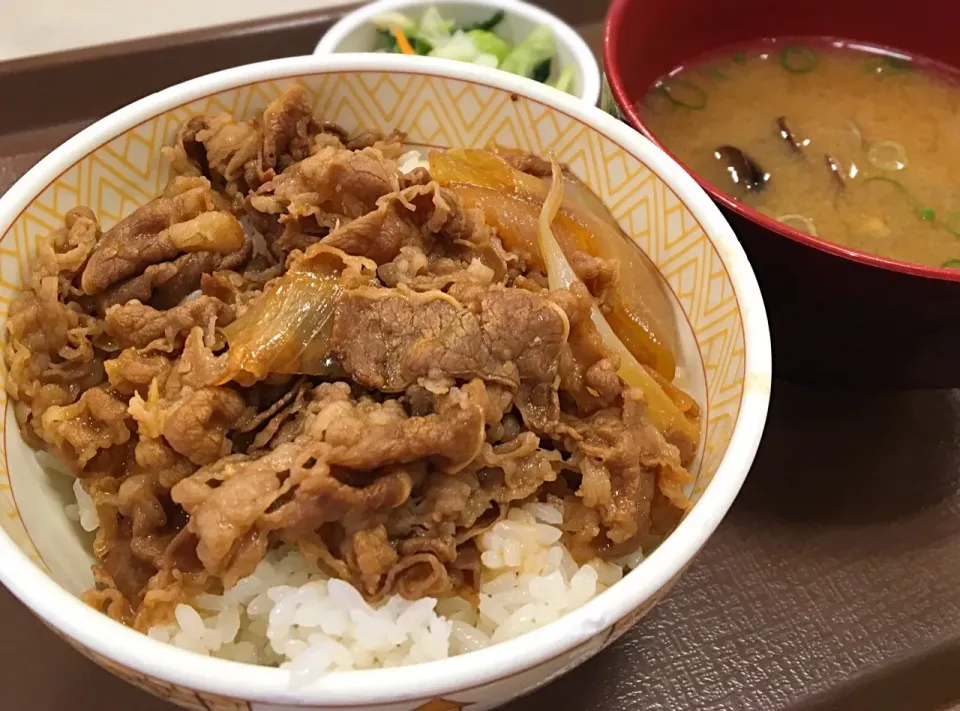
<point>858,147</point>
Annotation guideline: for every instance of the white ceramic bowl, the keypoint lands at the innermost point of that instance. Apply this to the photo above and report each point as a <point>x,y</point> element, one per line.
<point>355,33</point>
<point>116,164</point>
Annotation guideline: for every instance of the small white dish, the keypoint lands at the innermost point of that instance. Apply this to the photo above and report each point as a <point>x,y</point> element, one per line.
<point>355,32</point>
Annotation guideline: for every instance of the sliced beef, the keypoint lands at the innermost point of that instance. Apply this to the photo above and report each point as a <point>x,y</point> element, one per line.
<point>50,355</point>
<point>197,428</point>
<point>417,176</point>
<point>379,235</point>
<point>133,372</point>
<point>231,148</point>
<point>390,145</point>
<point>288,130</point>
<point>526,162</point>
<point>622,458</point>
<point>166,284</point>
<point>289,489</point>
<point>285,423</point>
<point>427,219</point>
<point>225,500</point>
<point>370,435</point>
<point>138,326</point>
<point>97,421</point>
<point>387,339</point>
<point>127,572</point>
<point>300,485</point>
<point>240,155</point>
<point>66,251</point>
<point>534,165</point>
<point>369,552</point>
<point>184,219</point>
<point>155,455</point>
<point>138,501</point>
<point>600,276</point>
<point>332,180</point>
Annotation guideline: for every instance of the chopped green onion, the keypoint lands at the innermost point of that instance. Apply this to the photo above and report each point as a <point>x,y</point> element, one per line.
<point>486,25</point>
<point>684,93</point>
<point>541,72</point>
<point>739,57</point>
<point>657,102</point>
<point>798,59</point>
<point>883,180</point>
<point>885,65</point>
<point>713,73</point>
<point>924,214</point>
<point>951,264</point>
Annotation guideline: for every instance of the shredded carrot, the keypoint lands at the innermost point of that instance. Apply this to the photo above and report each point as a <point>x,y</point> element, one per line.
<point>402,42</point>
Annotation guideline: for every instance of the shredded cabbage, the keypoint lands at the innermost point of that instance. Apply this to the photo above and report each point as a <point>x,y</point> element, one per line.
<point>477,43</point>
<point>486,60</point>
<point>460,47</point>
<point>490,43</point>
<point>389,20</point>
<point>433,28</point>
<point>535,49</point>
<point>564,82</point>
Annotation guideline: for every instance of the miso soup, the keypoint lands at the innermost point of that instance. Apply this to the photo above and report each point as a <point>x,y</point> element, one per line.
<point>854,145</point>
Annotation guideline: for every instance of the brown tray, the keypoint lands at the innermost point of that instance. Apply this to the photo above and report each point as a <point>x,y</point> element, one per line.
<point>834,583</point>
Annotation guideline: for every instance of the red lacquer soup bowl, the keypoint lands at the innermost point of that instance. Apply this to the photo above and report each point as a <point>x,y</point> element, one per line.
<point>838,316</point>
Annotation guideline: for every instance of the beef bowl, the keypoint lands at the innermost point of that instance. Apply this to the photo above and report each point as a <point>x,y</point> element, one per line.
<point>857,259</point>
<point>308,382</point>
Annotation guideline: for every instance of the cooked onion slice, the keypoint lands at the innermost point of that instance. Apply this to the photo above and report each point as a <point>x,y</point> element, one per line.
<point>888,155</point>
<point>799,222</point>
<point>641,316</point>
<point>287,329</point>
<point>665,414</point>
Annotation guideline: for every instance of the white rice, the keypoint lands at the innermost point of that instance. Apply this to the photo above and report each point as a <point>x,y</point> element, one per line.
<point>292,615</point>
<point>86,511</point>
<point>410,160</point>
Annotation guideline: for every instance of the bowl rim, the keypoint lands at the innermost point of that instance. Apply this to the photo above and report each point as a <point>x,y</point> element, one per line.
<point>67,614</point>
<point>614,77</point>
<point>584,58</point>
